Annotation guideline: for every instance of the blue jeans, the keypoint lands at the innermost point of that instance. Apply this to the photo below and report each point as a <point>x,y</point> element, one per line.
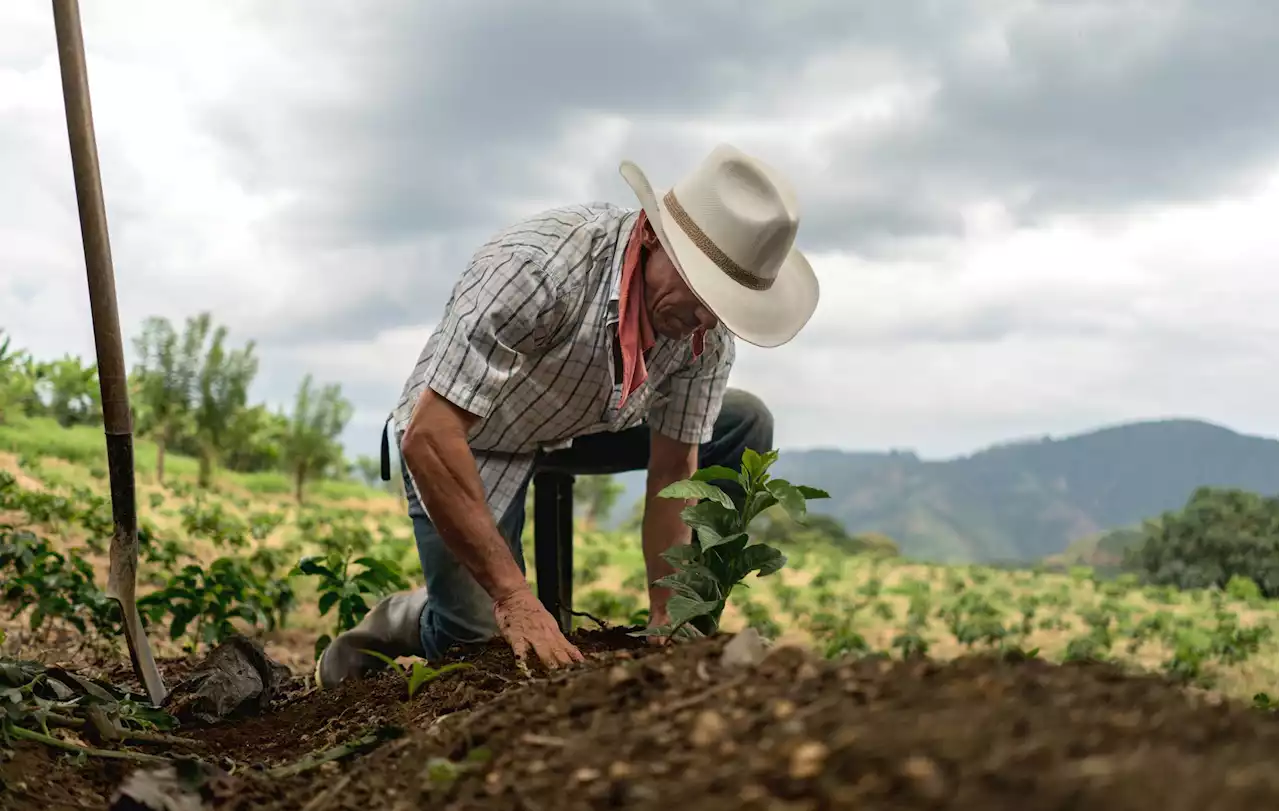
<point>459,611</point>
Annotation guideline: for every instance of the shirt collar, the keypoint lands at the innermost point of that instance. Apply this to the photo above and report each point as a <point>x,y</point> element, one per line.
<point>615,265</point>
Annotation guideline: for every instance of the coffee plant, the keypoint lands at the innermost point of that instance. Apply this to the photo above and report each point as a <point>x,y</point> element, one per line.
<point>721,553</point>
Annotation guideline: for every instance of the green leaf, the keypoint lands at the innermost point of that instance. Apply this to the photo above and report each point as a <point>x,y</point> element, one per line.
<point>682,609</point>
<point>679,584</point>
<point>758,557</point>
<point>703,572</point>
<point>716,473</point>
<point>384,571</point>
<point>380,656</point>
<point>710,543</point>
<point>711,520</point>
<point>789,497</point>
<point>752,464</point>
<point>691,488</point>
<point>179,626</point>
<point>311,565</point>
<point>657,630</point>
<point>758,502</point>
<point>681,555</point>
<point>423,673</point>
<point>812,492</point>
<point>687,631</point>
<point>694,585</point>
<point>327,601</point>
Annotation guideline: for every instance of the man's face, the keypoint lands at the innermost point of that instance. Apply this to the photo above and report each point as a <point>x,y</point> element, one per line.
<point>674,310</point>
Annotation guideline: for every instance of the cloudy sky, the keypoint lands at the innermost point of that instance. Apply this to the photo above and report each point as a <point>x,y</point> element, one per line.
<point>1027,217</point>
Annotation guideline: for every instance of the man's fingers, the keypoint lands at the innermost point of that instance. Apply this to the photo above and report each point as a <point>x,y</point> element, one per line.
<point>546,650</point>
<point>520,647</point>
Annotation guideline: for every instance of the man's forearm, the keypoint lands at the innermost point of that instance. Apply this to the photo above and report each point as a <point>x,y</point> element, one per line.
<point>662,529</point>
<point>454,499</point>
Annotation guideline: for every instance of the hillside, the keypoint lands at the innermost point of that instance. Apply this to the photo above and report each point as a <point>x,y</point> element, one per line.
<point>1030,499</point>
<point>233,556</point>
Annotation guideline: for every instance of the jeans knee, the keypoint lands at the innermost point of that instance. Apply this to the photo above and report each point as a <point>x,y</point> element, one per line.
<point>753,418</point>
<point>444,624</point>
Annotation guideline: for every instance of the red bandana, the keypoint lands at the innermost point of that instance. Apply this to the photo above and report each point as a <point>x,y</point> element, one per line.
<point>635,333</point>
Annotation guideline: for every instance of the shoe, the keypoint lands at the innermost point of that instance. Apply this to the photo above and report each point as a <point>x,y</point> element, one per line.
<point>390,628</point>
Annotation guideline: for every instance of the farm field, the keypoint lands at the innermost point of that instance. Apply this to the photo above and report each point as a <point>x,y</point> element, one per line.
<point>891,683</point>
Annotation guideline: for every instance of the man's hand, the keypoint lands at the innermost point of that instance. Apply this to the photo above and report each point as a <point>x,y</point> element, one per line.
<point>525,623</point>
<point>657,618</point>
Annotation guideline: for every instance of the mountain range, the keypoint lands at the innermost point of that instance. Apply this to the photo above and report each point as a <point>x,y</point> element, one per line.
<point>1023,500</point>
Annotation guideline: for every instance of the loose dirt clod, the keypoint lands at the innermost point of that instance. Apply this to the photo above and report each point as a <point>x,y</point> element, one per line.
<point>236,677</point>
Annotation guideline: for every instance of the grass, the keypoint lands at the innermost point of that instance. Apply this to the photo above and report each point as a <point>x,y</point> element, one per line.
<point>836,602</point>
<point>82,446</point>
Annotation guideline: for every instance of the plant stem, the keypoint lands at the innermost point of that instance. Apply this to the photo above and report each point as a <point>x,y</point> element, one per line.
<point>48,740</point>
<point>362,744</point>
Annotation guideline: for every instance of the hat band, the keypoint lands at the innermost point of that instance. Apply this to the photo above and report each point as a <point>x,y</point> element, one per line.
<point>703,242</point>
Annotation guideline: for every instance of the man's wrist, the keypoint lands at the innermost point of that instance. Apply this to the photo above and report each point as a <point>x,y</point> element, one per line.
<point>506,588</point>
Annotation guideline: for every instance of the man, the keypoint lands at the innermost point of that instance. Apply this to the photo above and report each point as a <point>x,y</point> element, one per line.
<point>589,339</point>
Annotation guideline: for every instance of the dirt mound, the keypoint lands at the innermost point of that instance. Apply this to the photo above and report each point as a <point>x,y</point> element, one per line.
<point>657,729</point>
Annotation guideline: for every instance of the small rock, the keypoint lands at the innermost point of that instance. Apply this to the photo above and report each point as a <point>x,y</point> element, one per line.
<point>708,728</point>
<point>1095,767</point>
<point>752,792</point>
<point>783,709</point>
<point>807,671</point>
<point>925,777</point>
<point>586,774</point>
<point>619,769</point>
<point>792,726</point>
<point>619,675</point>
<point>807,760</point>
<point>746,649</point>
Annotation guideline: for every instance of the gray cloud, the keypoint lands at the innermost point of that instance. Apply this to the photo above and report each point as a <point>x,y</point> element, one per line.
<point>439,117</point>
<point>1116,104</point>
<point>392,141</point>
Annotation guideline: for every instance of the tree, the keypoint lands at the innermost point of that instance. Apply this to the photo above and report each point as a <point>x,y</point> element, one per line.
<point>19,376</point>
<point>367,470</point>
<point>596,495</point>
<point>164,381</point>
<point>1218,535</point>
<point>71,391</point>
<point>311,444</point>
<point>254,439</point>
<point>222,390</point>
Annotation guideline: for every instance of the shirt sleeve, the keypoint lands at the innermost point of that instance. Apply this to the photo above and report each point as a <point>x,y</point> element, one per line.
<point>695,392</point>
<point>500,315</point>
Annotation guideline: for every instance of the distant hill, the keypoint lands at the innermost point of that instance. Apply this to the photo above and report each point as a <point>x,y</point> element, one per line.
<point>1029,499</point>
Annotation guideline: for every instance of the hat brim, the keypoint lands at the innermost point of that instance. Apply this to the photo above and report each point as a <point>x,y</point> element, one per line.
<point>766,318</point>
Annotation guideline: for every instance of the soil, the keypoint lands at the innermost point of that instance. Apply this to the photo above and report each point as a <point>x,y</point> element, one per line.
<point>637,727</point>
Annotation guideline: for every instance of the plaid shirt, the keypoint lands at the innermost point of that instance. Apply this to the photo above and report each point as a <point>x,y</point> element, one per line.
<point>528,344</point>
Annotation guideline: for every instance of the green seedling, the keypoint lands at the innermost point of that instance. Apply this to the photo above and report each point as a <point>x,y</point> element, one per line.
<point>721,553</point>
<point>418,673</point>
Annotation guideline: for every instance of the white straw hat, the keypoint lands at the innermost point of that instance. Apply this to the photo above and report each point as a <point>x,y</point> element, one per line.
<point>729,227</point>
